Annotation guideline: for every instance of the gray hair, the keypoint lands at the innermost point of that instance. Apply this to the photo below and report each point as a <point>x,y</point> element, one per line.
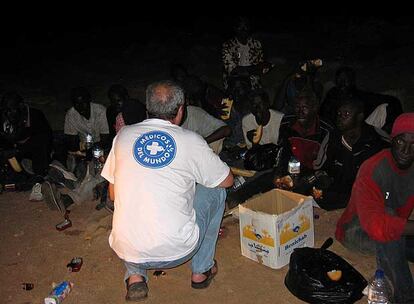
<point>163,99</point>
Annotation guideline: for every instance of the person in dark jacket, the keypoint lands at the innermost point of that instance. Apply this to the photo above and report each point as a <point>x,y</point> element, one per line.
<point>353,143</point>
<point>25,133</point>
<point>345,81</point>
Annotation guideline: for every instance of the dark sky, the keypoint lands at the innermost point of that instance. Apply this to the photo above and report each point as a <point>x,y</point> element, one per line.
<point>30,38</point>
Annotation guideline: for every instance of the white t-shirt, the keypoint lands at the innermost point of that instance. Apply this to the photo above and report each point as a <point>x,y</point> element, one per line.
<point>154,166</point>
<point>199,121</point>
<point>270,131</point>
<point>97,124</point>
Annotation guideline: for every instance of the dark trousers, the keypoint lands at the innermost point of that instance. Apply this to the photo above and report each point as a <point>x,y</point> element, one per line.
<point>37,148</point>
<point>392,257</point>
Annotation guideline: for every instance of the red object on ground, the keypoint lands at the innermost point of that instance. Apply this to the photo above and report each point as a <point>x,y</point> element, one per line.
<point>75,264</point>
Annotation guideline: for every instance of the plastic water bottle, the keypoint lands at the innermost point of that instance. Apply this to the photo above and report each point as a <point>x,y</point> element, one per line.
<point>294,166</point>
<point>59,293</point>
<point>379,290</point>
<point>97,154</point>
<point>88,141</point>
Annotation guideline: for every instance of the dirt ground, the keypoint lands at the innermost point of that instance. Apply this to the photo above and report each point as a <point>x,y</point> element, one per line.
<point>34,251</point>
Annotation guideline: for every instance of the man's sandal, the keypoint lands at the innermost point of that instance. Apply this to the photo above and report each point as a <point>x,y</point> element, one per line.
<point>137,291</point>
<point>209,277</point>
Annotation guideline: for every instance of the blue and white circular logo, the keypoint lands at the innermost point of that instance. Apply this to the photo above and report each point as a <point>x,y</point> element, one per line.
<point>155,149</point>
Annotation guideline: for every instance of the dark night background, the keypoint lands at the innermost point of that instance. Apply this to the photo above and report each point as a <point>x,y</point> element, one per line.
<point>43,57</point>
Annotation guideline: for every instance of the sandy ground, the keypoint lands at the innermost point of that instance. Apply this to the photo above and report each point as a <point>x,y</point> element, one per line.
<point>33,251</point>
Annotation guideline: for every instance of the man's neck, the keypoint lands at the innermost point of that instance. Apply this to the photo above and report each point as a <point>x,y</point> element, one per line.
<point>265,119</point>
<point>352,136</point>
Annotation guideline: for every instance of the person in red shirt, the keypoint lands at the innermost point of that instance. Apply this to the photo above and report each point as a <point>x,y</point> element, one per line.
<point>382,199</point>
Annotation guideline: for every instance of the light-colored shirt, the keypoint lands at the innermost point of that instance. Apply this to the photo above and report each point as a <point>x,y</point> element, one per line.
<point>201,122</point>
<point>97,124</point>
<point>155,166</point>
<point>270,131</point>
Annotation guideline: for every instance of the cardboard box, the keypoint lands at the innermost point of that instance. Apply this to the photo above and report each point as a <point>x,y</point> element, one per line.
<point>273,224</point>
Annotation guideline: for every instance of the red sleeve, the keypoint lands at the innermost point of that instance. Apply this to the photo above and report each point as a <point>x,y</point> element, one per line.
<point>376,222</point>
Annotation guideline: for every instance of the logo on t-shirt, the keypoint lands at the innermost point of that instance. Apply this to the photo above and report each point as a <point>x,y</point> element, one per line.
<point>155,149</point>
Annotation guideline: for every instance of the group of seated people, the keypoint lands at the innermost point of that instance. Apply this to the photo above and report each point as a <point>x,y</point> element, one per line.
<point>339,142</point>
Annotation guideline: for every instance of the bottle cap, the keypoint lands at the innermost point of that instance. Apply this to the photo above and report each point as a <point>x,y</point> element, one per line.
<point>379,273</point>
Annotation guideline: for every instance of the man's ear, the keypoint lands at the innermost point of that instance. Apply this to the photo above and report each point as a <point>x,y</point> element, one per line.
<point>180,115</point>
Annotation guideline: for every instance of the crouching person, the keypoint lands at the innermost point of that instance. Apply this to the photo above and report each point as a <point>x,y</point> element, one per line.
<point>376,219</point>
<point>168,188</point>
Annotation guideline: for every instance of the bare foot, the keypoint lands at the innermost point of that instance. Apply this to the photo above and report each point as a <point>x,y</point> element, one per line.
<point>199,277</point>
<point>134,279</point>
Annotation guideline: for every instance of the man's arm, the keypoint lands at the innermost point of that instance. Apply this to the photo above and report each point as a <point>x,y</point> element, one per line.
<point>111,189</point>
<point>228,181</point>
<point>220,133</point>
<point>375,220</point>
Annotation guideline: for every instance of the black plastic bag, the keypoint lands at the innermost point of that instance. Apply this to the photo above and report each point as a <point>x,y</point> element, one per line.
<point>308,280</point>
<point>262,157</point>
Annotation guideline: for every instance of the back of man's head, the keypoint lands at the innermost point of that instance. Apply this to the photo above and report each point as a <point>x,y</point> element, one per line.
<point>163,99</point>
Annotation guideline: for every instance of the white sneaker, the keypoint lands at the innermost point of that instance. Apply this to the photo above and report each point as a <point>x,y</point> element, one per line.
<point>36,195</point>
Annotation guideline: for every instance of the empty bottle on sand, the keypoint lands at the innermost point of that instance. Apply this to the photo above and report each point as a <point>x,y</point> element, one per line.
<point>379,291</point>
<point>59,293</point>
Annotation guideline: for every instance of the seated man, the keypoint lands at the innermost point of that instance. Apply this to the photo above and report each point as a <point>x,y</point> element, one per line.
<point>345,80</point>
<point>302,135</point>
<point>261,115</point>
<point>117,95</point>
<point>168,188</point>
<point>197,92</point>
<point>213,130</point>
<point>131,111</point>
<point>382,199</point>
<point>85,125</point>
<point>306,74</point>
<point>25,133</point>
<point>355,142</point>
<point>85,118</point>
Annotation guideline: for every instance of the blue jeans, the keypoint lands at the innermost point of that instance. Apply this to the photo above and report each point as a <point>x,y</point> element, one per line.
<point>391,256</point>
<point>209,206</point>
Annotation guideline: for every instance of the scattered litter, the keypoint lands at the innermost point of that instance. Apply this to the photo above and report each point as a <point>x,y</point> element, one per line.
<point>27,286</point>
<point>75,264</point>
<point>59,293</point>
<point>159,273</point>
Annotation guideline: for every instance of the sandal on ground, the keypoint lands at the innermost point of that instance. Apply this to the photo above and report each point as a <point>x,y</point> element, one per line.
<point>209,277</point>
<point>137,291</point>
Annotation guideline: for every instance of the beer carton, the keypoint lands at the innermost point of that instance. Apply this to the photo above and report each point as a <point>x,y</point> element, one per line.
<point>273,224</point>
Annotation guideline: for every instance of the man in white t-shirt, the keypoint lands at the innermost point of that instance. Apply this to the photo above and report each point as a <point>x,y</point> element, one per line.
<point>261,115</point>
<point>168,187</point>
<point>85,117</point>
<point>213,130</point>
